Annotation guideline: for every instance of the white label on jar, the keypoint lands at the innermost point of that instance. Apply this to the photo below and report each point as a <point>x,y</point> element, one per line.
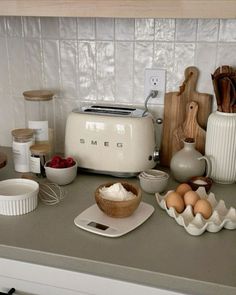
<point>35,164</point>
<point>21,155</point>
<point>40,128</point>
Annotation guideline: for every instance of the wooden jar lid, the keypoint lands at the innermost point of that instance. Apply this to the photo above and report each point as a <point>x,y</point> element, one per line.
<point>24,133</point>
<point>38,95</point>
<point>40,149</point>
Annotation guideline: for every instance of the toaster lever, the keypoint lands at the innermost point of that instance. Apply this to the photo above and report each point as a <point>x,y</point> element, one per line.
<point>156,156</point>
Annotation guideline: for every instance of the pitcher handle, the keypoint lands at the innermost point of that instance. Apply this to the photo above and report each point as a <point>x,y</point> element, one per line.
<point>208,166</point>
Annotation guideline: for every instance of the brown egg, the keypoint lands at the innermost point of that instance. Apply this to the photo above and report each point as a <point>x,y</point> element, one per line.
<point>175,200</point>
<point>183,188</point>
<point>190,198</point>
<point>203,207</point>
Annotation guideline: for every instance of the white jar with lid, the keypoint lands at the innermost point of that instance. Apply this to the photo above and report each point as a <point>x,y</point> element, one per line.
<point>39,115</point>
<point>23,139</point>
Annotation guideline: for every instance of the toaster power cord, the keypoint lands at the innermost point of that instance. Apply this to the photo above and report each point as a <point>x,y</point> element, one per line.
<point>152,94</point>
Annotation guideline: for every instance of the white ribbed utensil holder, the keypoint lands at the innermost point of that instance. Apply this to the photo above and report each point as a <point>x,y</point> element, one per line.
<point>221,146</point>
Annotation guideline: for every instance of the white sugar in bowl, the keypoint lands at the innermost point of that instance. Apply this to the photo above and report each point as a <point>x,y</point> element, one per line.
<point>18,196</point>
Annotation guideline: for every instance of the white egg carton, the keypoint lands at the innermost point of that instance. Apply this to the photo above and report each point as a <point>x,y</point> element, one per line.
<point>197,225</point>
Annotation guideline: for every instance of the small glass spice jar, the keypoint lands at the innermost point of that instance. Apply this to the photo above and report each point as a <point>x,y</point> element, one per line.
<point>39,156</point>
<point>22,141</point>
<point>39,115</point>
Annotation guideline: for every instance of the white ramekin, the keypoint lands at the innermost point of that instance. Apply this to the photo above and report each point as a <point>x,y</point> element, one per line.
<point>18,196</point>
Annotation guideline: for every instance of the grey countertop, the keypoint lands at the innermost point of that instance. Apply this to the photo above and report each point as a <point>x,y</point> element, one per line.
<point>159,253</point>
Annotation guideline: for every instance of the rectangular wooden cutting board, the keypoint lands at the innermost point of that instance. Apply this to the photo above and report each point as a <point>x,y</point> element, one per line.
<point>175,112</point>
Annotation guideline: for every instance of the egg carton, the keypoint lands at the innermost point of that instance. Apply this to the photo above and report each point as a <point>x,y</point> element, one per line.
<point>196,225</point>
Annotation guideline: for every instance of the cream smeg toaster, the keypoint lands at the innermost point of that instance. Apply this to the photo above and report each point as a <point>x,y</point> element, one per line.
<point>111,140</point>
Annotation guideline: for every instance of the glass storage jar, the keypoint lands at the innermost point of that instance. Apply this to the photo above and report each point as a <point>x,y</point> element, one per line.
<point>22,141</point>
<point>39,116</point>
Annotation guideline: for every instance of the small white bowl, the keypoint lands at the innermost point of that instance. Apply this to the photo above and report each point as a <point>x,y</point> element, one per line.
<point>61,176</point>
<point>18,196</point>
<point>151,184</point>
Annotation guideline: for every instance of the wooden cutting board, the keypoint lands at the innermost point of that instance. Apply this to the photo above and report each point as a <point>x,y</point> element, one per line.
<point>190,128</point>
<point>175,111</point>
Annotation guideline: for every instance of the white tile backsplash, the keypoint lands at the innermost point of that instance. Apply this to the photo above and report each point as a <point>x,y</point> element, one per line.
<point>164,29</point>
<point>86,28</point>
<point>144,29</point>
<point>88,60</point>
<point>124,29</point>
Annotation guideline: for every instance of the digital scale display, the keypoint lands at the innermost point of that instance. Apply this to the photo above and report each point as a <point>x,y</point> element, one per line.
<point>98,225</point>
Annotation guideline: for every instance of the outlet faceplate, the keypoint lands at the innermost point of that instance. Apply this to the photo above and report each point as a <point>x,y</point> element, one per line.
<point>155,79</point>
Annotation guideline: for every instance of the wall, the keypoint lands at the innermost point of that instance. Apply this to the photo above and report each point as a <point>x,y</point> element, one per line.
<point>91,60</point>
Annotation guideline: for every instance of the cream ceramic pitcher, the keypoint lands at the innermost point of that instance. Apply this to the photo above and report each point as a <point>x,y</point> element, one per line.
<point>188,162</point>
<point>220,146</point>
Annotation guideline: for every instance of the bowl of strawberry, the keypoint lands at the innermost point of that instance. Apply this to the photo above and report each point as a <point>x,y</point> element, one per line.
<point>61,170</point>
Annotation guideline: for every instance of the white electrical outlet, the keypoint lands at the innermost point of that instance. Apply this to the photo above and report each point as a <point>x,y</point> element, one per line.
<point>155,79</point>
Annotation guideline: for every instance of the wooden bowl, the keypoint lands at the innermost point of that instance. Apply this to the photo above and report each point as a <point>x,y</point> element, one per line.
<point>200,181</point>
<point>119,209</point>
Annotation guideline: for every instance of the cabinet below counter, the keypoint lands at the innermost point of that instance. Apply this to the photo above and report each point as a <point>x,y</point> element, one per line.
<point>43,252</point>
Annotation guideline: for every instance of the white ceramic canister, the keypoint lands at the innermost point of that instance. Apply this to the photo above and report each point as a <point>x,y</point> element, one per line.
<point>221,146</point>
<point>23,139</point>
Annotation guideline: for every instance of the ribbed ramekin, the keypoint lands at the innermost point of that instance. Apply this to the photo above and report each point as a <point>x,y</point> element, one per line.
<point>18,196</point>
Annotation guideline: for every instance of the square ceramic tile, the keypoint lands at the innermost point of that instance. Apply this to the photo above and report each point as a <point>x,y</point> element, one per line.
<point>105,71</point>
<point>6,120</point>
<point>51,65</point>
<point>205,61</point>
<point>62,110</point>
<point>208,30</point>
<point>163,55</point>
<point>227,30</point>
<point>68,27</point>
<point>2,26</point>
<point>68,57</point>
<point>144,29</point>
<point>49,27</point>
<point>14,26</point>
<point>226,54</point>
<point>33,61</point>
<point>143,58</point>
<point>87,80</point>
<point>186,30</point>
<point>184,57</point>
<point>124,71</point>
<point>4,71</point>
<point>105,29</point>
<point>124,29</point>
<point>16,51</point>
<point>31,26</point>
<point>19,112</point>
<point>86,28</point>
<point>164,29</point>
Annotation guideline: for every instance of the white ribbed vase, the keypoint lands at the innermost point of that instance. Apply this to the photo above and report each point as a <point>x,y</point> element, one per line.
<point>221,146</point>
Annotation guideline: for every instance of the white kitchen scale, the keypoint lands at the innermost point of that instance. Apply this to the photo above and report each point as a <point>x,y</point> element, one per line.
<point>97,222</point>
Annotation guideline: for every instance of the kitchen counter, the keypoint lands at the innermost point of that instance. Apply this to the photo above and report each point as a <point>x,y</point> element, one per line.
<point>159,253</point>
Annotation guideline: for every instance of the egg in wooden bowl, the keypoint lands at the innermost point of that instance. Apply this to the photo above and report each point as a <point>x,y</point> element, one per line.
<point>118,199</point>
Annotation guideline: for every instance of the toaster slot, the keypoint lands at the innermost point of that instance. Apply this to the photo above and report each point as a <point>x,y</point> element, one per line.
<point>107,112</point>
<point>112,108</point>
